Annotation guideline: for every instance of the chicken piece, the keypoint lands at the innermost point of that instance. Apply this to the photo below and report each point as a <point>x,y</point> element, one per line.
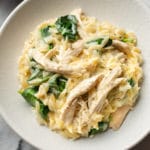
<point>121,46</point>
<point>82,88</point>
<point>111,76</point>
<point>69,111</point>
<point>82,118</point>
<point>121,56</point>
<point>78,47</point>
<point>92,96</point>
<point>105,86</point>
<point>55,67</point>
<point>102,95</point>
<point>64,56</point>
<point>119,116</point>
<point>68,55</point>
<point>51,53</point>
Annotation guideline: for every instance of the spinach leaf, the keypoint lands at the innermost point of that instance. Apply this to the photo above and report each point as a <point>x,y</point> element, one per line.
<point>38,81</point>
<point>50,46</point>
<point>37,76</point>
<point>96,41</point>
<point>34,65</point>
<point>57,84</point>
<point>99,41</point>
<point>43,110</point>
<point>28,95</point>
<point>109,43</point>
<point>62,83</point>
<point>127,40</point>
<point>131,82</point>
<point>67,26</point>
<point>45,31</point>
<point>35,73</point>
<point>102,126</point>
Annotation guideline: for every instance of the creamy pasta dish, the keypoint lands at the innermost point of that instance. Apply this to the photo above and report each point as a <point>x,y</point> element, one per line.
<point>80,75</point>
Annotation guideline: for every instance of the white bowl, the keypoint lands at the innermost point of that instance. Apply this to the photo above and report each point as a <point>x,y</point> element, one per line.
<point>132,15</point>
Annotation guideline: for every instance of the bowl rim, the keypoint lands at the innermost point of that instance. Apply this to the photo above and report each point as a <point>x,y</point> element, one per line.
<point>2,113</point>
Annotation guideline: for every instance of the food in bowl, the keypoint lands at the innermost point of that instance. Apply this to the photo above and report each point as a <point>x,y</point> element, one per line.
<point>80,75</point>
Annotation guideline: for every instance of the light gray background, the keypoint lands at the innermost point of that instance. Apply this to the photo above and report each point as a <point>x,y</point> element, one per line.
<point>9,140</point>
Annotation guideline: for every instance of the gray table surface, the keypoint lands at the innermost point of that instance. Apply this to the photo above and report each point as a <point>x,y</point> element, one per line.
<point>9,140</point>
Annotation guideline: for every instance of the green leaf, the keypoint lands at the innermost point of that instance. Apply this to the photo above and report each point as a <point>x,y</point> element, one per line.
<point>67,26</point>
<point>127,40</point>
<point>53,80</point>
<point>55,91</point>
<point>34,65</point>
<point>109,43</point>
<point>35,73</point>
<point>28,95</point>
<point>45,31</point>
<point>102,126</point>
<point>43,110</point>
<point>62,83</point>
<point>99,41</point>
<point>50,46</point>
<point>37,76</point>
<point>131,82</point>
<point>96,41</point>
<point>57,84</point>
<point>38,81</point>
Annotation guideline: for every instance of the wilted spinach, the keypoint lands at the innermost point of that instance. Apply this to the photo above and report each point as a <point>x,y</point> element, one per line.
<point>57,84</point>
<point>109,43</point>
<point>67,26</point>
<point>99,41</point>
<point>50,46</point>
<point>37,75</point>
<point>96,41</point>
<point>102,126</point>
<point>127,40</point>
<point>131,82</point>
<point>43,110</point>
<point>45,31</point>
<point>29,96</point>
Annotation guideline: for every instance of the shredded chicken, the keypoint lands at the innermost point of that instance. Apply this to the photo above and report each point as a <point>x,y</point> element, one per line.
<point>66,56</point>
<point>69,111</point>
<point>82,118</point>
<point>51,53</point>
<point>121,46</point>
<point>55,67</point>
<point>121,56</point>
<point>82,88</point>
<point>105,86</point>
<point>119,116</point>
<point>78,47</point>
<point>92,96</point>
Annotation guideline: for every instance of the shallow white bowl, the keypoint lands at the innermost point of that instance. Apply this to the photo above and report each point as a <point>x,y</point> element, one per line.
<point>132,15</point>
